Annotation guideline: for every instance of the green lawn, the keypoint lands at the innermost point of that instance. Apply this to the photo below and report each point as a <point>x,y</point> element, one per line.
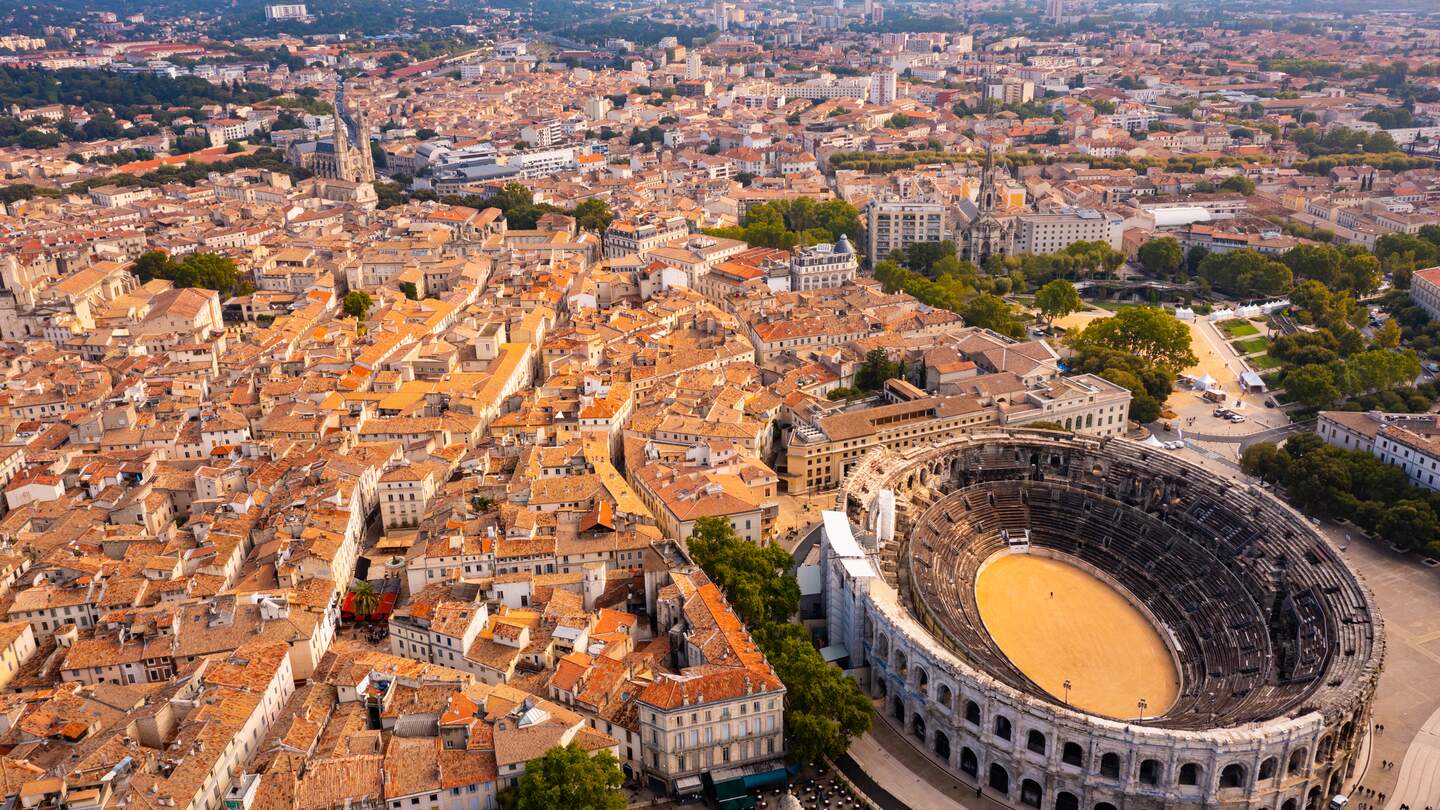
<point>1255,344</point>
<point>1238,328</point>
<point>1263,362</point>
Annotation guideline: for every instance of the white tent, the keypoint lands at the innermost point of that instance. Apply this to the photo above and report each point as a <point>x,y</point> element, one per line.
<point>1153,442</point>
<point>1204,382</point>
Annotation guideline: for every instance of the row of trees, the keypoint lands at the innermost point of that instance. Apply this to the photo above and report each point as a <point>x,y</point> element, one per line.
<point>958,290</point>
<point>785,224</point>
<point>824,710</point>
<point>1354,485</point>
<point>517,204</point>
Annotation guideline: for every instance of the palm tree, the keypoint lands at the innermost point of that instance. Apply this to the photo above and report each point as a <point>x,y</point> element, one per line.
<point>365,600</point>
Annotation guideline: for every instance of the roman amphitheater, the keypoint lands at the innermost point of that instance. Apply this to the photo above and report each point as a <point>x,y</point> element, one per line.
<point>1083,623</point>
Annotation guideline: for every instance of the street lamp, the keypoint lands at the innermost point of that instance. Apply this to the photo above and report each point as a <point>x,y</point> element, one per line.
<point>1067,691</point>
<point>1142,706</point>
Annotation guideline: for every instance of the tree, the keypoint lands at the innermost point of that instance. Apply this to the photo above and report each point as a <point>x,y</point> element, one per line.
<point>1239,183</point>
<point>1161,256</point>
<point>876,369</point>
<point>1409,522</point>
<point>824,709</point>
<point>357,303</point>
<point>208,271</point>
<point>1265,460</point>
<point>1246,273</point>
<point>593,214</point>
<point>1149,333</point>
<point>568,777</point>
<point>1143,407</point>
<point>752,577</point>
<point>410,290</point>
<point>1312,386</point>
<point>1057,299</point>
<point>364,599</point>
<point>1388,335</point>
<point>992,312</point>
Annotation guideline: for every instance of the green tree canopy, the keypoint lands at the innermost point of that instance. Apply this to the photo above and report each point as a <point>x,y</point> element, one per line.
<point>1149,333</point>
<point>1057,299</point>
<point>753,577</point>
<point>1161,256</point>
<point>568,777</point>
<point>877,368</point>
<point>357,303</point>
<point>209,271</point>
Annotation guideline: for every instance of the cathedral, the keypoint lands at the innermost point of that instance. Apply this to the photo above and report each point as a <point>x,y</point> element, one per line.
<point>346,155</point>
<point>985,234</point>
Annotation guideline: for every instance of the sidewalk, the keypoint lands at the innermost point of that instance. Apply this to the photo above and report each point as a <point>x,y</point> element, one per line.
<point>909,776</point>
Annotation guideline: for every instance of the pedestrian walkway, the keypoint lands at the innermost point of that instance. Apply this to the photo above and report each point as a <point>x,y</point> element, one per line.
<point>910,777</point>
<point>1418,784</point>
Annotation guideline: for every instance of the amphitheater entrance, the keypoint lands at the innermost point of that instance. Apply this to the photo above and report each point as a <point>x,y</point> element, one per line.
<point>1076,637</point>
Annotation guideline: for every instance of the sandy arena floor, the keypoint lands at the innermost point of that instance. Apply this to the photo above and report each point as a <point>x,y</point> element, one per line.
<point>1056,622</point>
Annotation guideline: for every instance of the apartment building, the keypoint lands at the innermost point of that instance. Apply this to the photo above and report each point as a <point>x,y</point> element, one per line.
<point>1047,233</point>
<point>821,451</point>
<point>823,266</point>
<point>1408,441</point>
<point>1425,290</point>
<point>626,237</point>
<point>723,714</point>
<point>895,224</point>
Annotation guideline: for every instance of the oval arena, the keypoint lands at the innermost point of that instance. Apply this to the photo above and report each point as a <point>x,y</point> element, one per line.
<point>1074,622</point>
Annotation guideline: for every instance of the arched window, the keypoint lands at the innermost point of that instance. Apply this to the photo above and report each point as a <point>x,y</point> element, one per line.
<point>1232,776</point>
<point>1268,768</point>
<point>945,696</point>
<point>942,746</point>
<point>1190,774</point>
<point>999,779</point>
<point>1150,771</point>
<point>968,762</point>
<point>1031,794</point>
<point>1104,806</point>
<point>1066,801</point>
<point>922,678</point>
<point>1110,765</point>
<point>1002,727</point>
<point>1035,741</point>
<point>1072,754</point>
<point>1297,762</point>
<point>972,712</point>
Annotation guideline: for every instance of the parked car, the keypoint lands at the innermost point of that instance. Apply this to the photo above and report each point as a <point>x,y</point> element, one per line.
<point>1236,418</point>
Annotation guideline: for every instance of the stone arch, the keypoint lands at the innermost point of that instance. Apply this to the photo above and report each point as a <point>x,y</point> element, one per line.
<point>969,763</point>
<point>902,663</point>
<point>897,708</point>
<point>1065,800</point>
<point>1298,758</point>
<point>1003,728</point>
<point>1104,806</point>
<point>941,745</point>
<point>1232,776</point>
<point>1110,765</point>
<point>972,712</point>
<point>882,645</point>
<point>944,696</point>
<point>1189,774</point>
<point>1312,799</point>
<point>999,779</point>
<point>922,678</point>
<point>1150,771</point>
<point>1031,794</point>
<point>1268,768</point>
<point>1322,751</point>
<point>1337,780</point>
<point>1035,742</point>
<point>1072,753</point>
<point>917,725</point>
<point>1289,804</point>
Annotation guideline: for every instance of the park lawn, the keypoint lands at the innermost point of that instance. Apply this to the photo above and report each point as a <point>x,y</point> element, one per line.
<point>1263,362</point>
<point>1238,328</point>
<point>1256,344</point>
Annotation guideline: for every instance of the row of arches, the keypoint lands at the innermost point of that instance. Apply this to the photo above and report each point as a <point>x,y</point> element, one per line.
<point>1149,771</point>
